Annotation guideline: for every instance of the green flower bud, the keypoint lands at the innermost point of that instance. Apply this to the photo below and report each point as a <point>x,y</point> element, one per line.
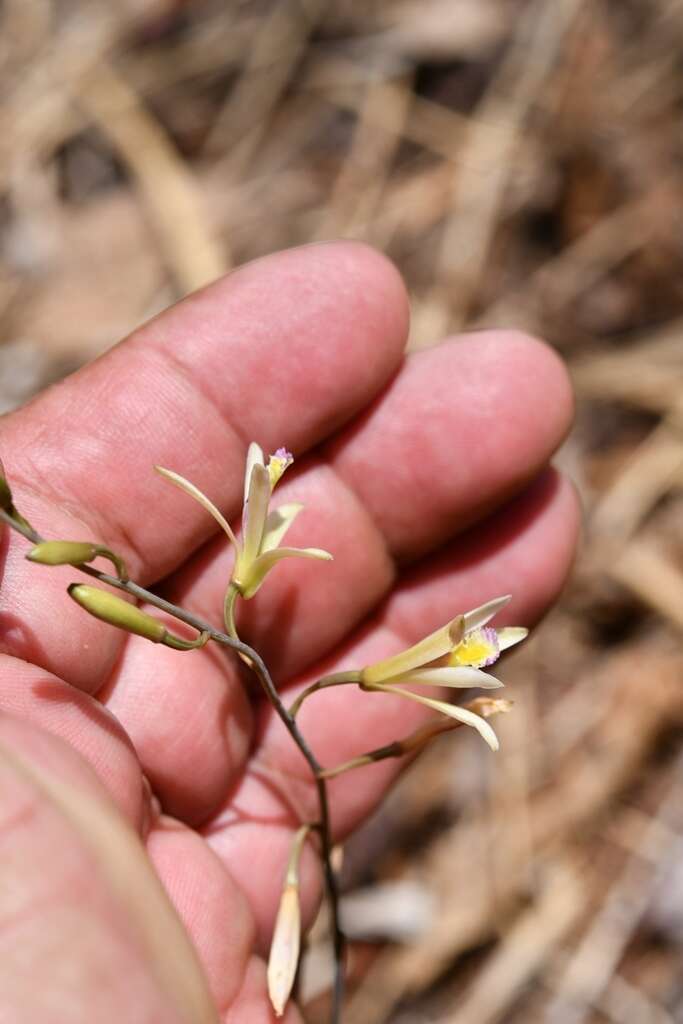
<point>117,612</point>
<point>63,552</point>
<point>75,552</point>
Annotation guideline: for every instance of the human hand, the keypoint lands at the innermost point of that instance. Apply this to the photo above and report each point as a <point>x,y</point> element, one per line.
<point>428,483</point>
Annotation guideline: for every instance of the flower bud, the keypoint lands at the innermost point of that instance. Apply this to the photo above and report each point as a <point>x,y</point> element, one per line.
<point>62,552</point>
<point>117,612</point>
<point>75,552</point>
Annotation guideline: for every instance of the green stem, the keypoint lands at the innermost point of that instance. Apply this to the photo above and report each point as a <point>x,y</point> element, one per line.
<point>178,644</point>
<point>231,596</point>
<point>116,560</point>
<point>335,679</point>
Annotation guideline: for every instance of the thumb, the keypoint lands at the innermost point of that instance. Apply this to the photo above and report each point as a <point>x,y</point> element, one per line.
<point>86,930</point>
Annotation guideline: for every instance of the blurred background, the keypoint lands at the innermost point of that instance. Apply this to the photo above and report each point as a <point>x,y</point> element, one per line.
<point>521,162</point>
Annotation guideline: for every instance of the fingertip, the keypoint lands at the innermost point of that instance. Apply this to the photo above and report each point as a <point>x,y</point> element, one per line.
<point>382,297</point>
<point>465,426</point>
<point>355,301</point>
<point>529,377</point>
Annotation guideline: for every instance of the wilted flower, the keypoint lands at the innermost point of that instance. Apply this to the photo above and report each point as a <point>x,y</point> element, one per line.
<point>262,530</point>
<point>283,960</point>
<point>452,656</point>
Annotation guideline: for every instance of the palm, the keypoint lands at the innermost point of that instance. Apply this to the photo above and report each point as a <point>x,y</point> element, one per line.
<point>302,350</point>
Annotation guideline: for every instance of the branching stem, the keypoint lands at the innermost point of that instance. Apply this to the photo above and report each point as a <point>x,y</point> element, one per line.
<point>257,664</point>
<point>335,679</point>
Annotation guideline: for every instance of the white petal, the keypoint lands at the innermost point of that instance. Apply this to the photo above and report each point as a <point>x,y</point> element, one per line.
<point>265,562</point>
<point>456,676</point>
<point>432,647</point>
<point>478,617</point>
<point>511,635</point>
<point>255,457</point>
<point>277,524</point>
<point>453,711</point>
<point>194,492</point>
<point>284,950</point>
<point>255,512</point>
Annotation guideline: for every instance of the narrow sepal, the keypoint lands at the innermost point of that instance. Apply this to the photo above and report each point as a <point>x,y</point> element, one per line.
<point>508,636</point>
<point>451,710</point>
<point>254,458</point>
<point>255,513</point>
<point>460,677</point>
<point>194,492</point>
<point>277,524</point>
<point>478,617</point>
<point>265,562</point>
<point>434,646</point>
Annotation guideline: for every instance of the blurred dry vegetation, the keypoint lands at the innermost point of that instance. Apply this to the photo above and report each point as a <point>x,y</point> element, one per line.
<point>521,161</point>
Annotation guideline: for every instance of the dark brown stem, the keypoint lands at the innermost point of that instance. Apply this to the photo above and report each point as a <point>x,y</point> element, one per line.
<point>399,748</point>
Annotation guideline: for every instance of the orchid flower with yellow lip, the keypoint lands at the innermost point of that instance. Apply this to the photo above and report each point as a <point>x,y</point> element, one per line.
<point>262,531</point>
<point>452,656</point>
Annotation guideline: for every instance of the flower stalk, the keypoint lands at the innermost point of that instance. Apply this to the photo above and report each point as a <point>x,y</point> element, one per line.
<point>453,656</point>
<point>417,740</point>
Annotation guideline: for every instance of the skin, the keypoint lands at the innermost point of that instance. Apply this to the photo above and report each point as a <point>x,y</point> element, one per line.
<point>428,480</point>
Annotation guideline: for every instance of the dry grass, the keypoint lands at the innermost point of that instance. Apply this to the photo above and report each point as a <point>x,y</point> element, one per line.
<point>520,160</point>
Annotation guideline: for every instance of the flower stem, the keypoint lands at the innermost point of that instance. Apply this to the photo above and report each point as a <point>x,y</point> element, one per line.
<point>335,679</point>
<point>399,748</point>
<point>256,663</point>
<point>231,595</point>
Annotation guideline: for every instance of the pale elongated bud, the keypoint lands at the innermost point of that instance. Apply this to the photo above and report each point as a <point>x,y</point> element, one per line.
<point>285,947</point>
<point>120,613</point>
<point>74,552</point>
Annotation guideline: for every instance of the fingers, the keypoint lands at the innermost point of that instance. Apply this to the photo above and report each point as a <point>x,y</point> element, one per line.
<point>210,906</point>
<point>218,920</point>
<point>34,695</point>
<point>283,351</point>
<point>306,608</point>
<point>467,425</point>
<point>190,721</point>
<point>85,930</point>
<point>526,549</point>
<point>449,440</point>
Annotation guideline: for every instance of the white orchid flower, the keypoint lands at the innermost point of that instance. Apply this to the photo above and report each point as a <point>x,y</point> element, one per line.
<point>262,531</point>
<point>452,656</point>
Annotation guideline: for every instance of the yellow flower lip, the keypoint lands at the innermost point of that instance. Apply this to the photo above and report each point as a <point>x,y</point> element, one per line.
<point>478,648</point>
<point>277,464</point>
